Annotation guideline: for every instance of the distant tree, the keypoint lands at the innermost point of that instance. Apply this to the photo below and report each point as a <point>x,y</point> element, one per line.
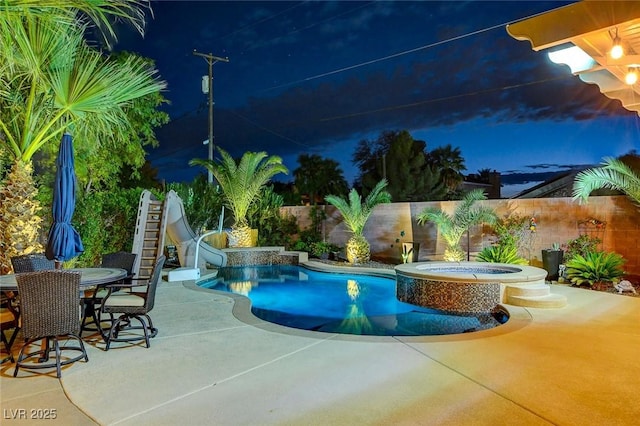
<point>287,191</point>
<point>449,162</point>
<point>483,176</point>
<point>317,177</point>
<point>396,156</point>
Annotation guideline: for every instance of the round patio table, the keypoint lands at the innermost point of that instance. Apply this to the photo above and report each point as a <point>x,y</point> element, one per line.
<point>89,277</point>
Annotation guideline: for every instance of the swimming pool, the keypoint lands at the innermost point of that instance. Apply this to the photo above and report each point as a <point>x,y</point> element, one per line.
<point>294,296</point>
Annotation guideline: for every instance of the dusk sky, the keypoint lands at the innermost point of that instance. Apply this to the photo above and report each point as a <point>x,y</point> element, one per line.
<point>316,77</point>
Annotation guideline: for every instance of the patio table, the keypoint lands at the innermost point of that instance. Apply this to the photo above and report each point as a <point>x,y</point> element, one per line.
<point>89,277</point>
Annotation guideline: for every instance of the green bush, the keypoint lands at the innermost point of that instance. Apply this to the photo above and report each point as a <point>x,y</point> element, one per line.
<point>319,248</point>
<point>106,222</point>
<point>264,215</point>
<point>580,246</point>
<point>501,254</point>
<point>593,267</point>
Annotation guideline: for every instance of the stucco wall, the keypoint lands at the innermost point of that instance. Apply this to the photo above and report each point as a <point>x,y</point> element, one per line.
<point>557,221</point>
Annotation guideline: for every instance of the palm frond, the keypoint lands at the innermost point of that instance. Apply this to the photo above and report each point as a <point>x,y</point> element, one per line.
<point>614,174</point>
<point>243,181</point>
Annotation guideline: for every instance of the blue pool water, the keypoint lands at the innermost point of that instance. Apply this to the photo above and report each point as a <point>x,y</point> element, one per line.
<point>297,297</point>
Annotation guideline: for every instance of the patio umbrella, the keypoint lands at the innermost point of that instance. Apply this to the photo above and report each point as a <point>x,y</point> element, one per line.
<point>64,242</point>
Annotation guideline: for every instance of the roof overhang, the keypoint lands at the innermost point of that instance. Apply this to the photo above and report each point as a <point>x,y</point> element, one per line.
<point>581,36</point>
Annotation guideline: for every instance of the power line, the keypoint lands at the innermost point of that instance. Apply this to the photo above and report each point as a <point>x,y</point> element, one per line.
<point>396,55</point>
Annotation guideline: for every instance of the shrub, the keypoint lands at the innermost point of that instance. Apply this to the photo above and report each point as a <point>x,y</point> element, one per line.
<point>501,254</point>
<point>580,246</point>
<point>106,222</point>
<point>593,267</point>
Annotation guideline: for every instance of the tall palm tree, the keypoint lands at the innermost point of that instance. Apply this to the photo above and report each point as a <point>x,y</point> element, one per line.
<point>453,227</point>
<point>51,82</point>
<point>614,174</point>
<point>355,214</point>
<point>241,184</point>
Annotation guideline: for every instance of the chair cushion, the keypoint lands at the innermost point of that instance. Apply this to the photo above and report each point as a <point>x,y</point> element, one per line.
<point>124,299</point>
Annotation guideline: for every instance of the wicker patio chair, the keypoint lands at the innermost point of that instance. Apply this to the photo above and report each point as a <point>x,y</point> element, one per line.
<point>31,263</point>
<point>132,305</point>
<point>49,310</point>
<point>93,298</point>
<point>9,321</point>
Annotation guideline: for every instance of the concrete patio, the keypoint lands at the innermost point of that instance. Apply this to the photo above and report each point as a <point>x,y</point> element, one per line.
<point>213,363</point>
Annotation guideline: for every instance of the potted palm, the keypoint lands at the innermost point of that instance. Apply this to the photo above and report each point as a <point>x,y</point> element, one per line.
<point>355,214</point>
<point>241,185</point>
<point>453,227</point>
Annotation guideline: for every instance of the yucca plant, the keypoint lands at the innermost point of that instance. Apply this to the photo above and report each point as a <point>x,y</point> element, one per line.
<point>355,214</point>
<point>614,174</point>
<point>501,254</point>
<point>594,267</point>
<point>241,185</point>
<point>452,228</point>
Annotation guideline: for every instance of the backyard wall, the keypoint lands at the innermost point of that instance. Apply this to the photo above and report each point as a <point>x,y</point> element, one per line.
<point>558,220</point>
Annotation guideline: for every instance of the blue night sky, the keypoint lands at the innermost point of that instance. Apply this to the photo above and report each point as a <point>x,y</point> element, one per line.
<point>316,77</point>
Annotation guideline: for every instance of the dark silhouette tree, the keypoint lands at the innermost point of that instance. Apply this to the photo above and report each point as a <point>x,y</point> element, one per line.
<point>449,162</point>
<point>318,177</point>
<point>402,161</point>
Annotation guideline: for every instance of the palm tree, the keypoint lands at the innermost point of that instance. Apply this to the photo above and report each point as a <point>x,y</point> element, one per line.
<point>51,82</point>
<point>614,174</point>
<point>355,214</point>
<point>450,163</point>
<point>317,177</point>
<point>241,184</point>
<point>453,227</point>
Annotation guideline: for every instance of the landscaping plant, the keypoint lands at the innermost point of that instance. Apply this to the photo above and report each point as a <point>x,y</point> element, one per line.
<point>241,184</point>
<point>453,227</point>
<point>581,246</point>
<point>501,254</point>
<point>594,267</point>
<point>355,214</point>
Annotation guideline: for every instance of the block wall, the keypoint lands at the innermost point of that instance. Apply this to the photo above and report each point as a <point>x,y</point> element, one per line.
<point>558,220</point>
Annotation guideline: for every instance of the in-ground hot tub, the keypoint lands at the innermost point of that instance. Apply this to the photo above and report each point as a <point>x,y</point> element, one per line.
<point>461,287</point>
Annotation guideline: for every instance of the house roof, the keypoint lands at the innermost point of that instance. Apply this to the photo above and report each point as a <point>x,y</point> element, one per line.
<point>581,35</point>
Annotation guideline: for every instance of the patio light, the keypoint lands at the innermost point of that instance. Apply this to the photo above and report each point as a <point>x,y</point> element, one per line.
<point>617,51</point>
<point>632,76</point>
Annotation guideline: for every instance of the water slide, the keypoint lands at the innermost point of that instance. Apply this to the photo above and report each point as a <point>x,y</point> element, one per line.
<point>186,240</point>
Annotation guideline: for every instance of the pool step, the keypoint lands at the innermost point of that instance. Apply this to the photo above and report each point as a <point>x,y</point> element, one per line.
<point>534,296</point>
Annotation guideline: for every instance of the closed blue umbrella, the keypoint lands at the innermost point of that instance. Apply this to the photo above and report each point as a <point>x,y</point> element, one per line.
<point>64,242</point>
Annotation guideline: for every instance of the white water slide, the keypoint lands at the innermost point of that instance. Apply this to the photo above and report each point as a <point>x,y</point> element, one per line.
<point>186,240</point>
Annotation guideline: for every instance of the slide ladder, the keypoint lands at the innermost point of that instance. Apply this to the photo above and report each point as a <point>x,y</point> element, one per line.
<point>148,240</point>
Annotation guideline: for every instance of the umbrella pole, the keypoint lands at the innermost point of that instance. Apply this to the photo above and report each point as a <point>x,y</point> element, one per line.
<point>58,264</point>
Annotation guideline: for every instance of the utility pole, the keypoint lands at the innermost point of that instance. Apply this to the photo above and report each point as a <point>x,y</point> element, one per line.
<point>210,60</point>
